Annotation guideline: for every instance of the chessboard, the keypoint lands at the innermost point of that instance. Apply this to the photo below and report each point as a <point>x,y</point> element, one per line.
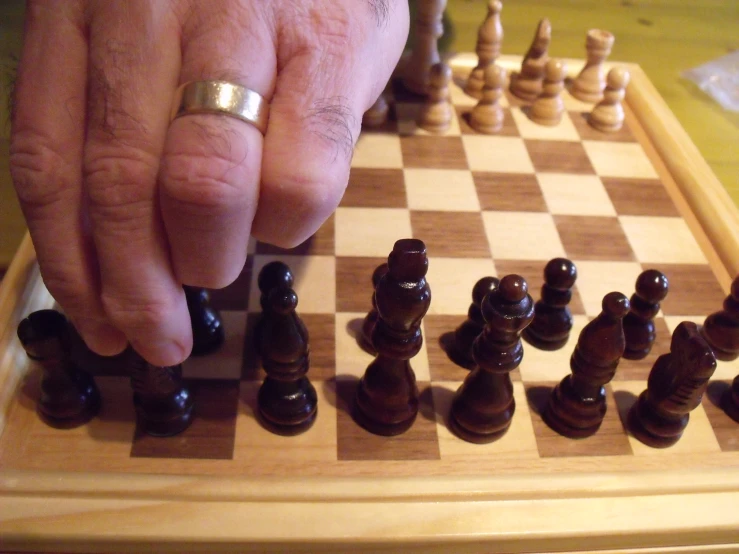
<point>615,204</point>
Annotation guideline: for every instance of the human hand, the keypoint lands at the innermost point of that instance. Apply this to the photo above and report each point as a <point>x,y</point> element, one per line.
<point>124,207</point>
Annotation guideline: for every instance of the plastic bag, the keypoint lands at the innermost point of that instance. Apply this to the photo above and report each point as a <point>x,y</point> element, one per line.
<point>719,79</point>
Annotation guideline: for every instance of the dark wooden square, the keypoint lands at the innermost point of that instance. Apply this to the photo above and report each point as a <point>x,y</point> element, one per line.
<point>321,243</point>
<point>586,132</point>
<point>375,188</point>
<point>211,434</point>
<point>694,289</point>
<point>236,295</point>
<point>354,283</point>
<point>432,152</point>
<point>610,440</point>
<point>420,442</point>
<point>639,197</point>
<point>509,192</point>
<point>558,156</point>
<point>593,238</point>
<point>533,272</point>
<point>508,129</point>
<point>451,234</point>
<point>725,428</point>
<point>638,370</point>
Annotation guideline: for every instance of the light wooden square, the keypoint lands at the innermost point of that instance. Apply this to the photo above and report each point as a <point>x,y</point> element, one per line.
<point>724,370</point>
<point>451,281</point>
<point>572,104</point>
<point>565,130</point>
<point>253,444</point>
<point>568,194</point>
<point>441,190</point>
<point>662,240</point>
<point>315,282</point>
<point>407,115</point>
<point>541,365</point>
<point>517,444</point>
<point>370,232</point>
<point>378,151</point>
<point>499,154</point>
<point>697,437</point>
<point>595,279</point>
<point>522,235</point>
<point>619,159</point>
<point>228,361</point>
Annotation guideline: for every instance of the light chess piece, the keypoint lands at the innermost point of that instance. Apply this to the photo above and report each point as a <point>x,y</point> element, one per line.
<point>487,116</point>
<point>589,84</point>
<point>428,28</point>
<point>435,115</point>
<point>527,83</point>
<point>549,107</point>
<point>608,115</point>
<point>489,40</point>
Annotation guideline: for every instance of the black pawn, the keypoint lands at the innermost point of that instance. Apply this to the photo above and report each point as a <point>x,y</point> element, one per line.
<point>69,397</point>
<point>386,401</point>
<point>651,289</point>
<point>730,400</point>
<point>287,400</point>
<point>483,406</point>
<point>577,405</point>
<point>207,327</point>
<point>675,387</point>
<point>273,275</point>
<point>164,405</point>
<point>468,331</point>
<point>721,329</point>
<point>552,323</point>
<point>371,318</point>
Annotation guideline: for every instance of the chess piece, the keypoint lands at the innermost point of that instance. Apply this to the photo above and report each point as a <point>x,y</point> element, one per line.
<point>721,329</point>
<point>435,114</point>
<point>386,402</point>
<point>489,40</point>
<point>428,29</point>
<point>577,405</point>
<point>371,318</point>
<point>207,328</point>
<point>164,405</point>
<point>273,275</point>
<point>287,400</point>
<point>469,330</point>
<point>651,289</point>
<point>487,116</point>
<point>483,406</point>
<point>552,323</point>
<point>377,114</point>
<point>589,84</point>
<point>730,400</point>
<point>549,107</point>
<point>527,84</point>
<point>69,397</point>
<point>608,115</point>
<point>675,387</point>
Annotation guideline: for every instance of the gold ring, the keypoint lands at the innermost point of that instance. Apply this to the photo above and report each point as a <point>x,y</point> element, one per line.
<point>221,97</point>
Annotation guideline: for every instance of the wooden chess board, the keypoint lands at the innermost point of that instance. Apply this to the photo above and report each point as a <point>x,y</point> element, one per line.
<point>484,205</point>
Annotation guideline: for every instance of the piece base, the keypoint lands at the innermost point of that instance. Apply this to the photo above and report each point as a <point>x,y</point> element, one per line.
<point>644,436</point>
<point>729,406</point>
<point>566,430</point>
<point>471,436</point>
<point>287,430</point>
<point>541,344</point>
<point>85,416</point>
<point>169,427</point>
<point>637,354</point>
<point>383,429</point>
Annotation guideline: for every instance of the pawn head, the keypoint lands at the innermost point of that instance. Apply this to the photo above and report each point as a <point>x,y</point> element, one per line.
<point>652,286</point>
<point>513,288</point>
<point>495,6</point>
<point>440,75</point>
<point>556,70</point>
<point>43,334</point>
<point>482,287</point>
<point>408,261</point>
<point>616,305</point>
<point>560,274</point>
<point>282,300</point>
<point>274,274</point>
<point>618,78</point>
<point>495,76</point>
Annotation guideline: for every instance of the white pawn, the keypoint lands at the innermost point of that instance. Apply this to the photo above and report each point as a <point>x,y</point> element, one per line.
<point>608,115</point>
<point>549,107</point>
<point>487,116</point>
<point>589,84</point>
<point>489,40</point>
<point>377,114</point>
<point>435,115</point>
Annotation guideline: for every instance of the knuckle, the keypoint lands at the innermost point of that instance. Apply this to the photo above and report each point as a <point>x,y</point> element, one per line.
<point>137,315</point>
<point>68,290</point>
<point>322,28</point>
<point>39,172</point>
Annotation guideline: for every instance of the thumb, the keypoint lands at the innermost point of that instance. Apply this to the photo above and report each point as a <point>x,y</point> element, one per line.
<point>333,64</point>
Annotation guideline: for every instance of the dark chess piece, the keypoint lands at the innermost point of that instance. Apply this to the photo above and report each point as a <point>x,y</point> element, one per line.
<point>69,397</point>
<point>386,401</point>
<point>207,328</point>
<point>272,275</point>
<point>675,387</point>
<point>552,323</point>
<point>483,407</point>
<point>577,405</point>
<point>651,289</point>
<point>371,317</point>
<point>287,400</point>
<point>164,405</point>
<point>730,400</point>
<point>469,330</point>
<point>721,329</point>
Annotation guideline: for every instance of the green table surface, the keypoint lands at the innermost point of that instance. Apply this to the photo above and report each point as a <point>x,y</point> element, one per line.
<point>665,37</point>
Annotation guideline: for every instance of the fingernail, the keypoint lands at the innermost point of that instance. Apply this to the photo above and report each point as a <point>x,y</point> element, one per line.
<point>101,338</point>
<point>163,353</point>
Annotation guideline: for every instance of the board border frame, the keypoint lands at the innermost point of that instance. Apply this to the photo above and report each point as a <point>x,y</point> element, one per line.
<point>635,512</point>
